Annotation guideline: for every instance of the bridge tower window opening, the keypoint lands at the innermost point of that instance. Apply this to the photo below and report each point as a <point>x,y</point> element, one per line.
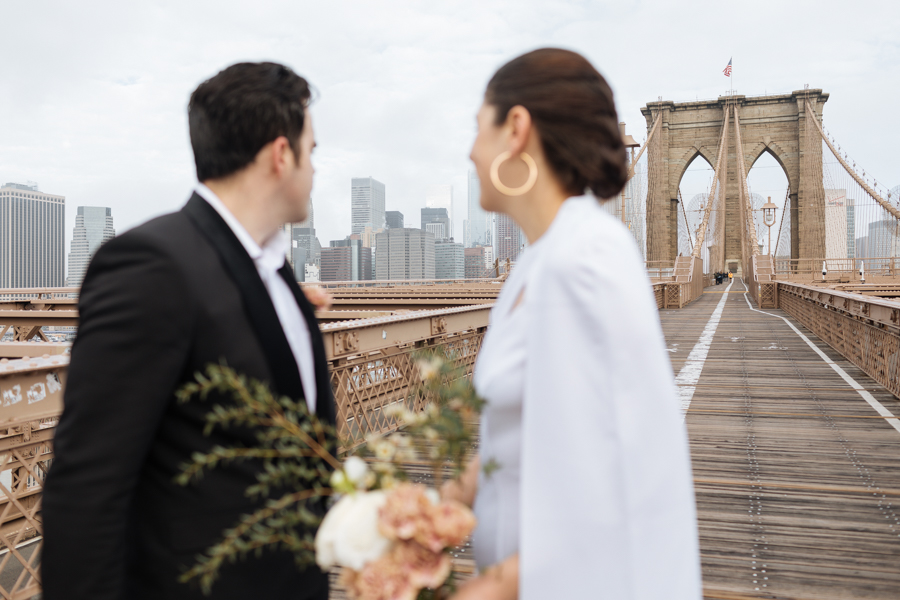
<point>767,178</point>
<point>693,189</point>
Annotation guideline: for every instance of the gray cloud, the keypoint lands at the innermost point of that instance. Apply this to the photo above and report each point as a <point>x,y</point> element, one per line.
<point>93,94</point>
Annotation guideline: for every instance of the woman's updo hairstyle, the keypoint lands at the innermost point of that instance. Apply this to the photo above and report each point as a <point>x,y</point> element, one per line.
<point>572,108</point>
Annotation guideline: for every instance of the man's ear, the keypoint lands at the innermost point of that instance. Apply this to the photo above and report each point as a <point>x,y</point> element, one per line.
<point>281,155</point>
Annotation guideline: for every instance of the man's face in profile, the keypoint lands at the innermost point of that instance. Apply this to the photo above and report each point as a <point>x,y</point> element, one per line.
<point>299,179</point>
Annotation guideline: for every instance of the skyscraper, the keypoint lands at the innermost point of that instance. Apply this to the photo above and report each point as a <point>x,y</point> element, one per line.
<point>305,246</point>
<point>394,219</point>
<point>508,239</point>
<point>93,228</point>
<point>437,221</point>
<point>366,204</point>
<point>346,260</point>
<point>478,222</point>
<point>836,223</point>
<point>441,196</point>
<point>883,241</point>
<point>404,254</point>
<point>851,228</point>
<point>449,260</point>
<point>32,242</point>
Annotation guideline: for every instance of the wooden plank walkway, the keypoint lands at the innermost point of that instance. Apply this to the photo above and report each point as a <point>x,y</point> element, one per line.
<point>797,477</point>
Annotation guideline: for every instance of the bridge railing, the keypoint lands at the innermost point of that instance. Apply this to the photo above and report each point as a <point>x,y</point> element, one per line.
<point>372,362</point>
<point>373,366</point>
<point>31,395</point>
<point>408,283</point>
<point>863,329</point>
<point>838,270</point>
<point>660,270</point>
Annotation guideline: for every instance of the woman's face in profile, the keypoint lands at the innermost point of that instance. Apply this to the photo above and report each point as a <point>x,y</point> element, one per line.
<point>488,144</point>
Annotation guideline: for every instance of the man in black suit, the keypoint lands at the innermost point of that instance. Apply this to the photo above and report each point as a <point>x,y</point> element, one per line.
<point>159,303</point>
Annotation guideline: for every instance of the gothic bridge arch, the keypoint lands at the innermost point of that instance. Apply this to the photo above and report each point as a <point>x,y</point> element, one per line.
<point>774,124</point>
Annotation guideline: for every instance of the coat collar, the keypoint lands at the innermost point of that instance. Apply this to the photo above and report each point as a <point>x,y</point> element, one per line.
<point>325,408</point>
<point>259,308</point>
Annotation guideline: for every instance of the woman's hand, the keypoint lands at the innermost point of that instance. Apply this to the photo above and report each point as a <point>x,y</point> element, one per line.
<point>500,582</point>
<point>463,489</point>
<point>317,296</point>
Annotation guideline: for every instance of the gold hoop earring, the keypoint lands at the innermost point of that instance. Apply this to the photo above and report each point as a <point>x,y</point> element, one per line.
<point>506,190</point>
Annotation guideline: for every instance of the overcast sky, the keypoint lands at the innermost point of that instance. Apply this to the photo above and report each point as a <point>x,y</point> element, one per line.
<point>93,95</point>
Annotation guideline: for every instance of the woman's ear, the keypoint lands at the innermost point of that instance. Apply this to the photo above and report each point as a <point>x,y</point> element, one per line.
<point>518,120</point>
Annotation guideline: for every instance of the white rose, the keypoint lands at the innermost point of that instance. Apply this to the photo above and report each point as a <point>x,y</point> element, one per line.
<point>349,535</point>
<point>356,470</point>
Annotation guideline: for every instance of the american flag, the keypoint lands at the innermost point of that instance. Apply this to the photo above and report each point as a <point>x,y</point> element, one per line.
<point>727,70</point>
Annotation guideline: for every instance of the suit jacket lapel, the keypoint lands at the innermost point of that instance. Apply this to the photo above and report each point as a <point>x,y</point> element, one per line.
<point>324,397</point>
<point>257,302</point>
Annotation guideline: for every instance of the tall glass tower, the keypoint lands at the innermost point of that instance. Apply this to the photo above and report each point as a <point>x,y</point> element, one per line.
<point>366,204</point>
<point>478,223</point>
<point>93,228</point>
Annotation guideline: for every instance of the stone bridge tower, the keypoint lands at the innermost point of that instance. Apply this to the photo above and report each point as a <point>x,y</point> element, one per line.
<point>774,124</point>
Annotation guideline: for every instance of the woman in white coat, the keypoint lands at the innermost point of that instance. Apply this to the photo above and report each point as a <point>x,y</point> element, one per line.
<point>589,493</point>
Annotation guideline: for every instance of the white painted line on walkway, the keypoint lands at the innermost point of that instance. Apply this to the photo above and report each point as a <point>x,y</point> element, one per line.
<point>878,406</point>
<point>690,373</point>
<point>23,544</point>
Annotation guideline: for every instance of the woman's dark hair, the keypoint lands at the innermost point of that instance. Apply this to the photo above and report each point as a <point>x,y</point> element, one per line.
<point>572,107</point>
<point>241,109</point>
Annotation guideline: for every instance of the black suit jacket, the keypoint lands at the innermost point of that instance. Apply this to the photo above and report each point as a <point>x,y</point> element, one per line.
<point>158,304</point>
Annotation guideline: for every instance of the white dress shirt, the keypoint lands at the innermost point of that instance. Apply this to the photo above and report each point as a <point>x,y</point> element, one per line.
<point>594,487</point>
<point>268,259</point>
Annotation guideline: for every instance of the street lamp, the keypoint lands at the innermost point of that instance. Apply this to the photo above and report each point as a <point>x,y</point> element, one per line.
<point>769,219</point>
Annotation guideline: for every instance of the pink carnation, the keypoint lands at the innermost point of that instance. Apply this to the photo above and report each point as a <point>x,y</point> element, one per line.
<point>398,575</point>
<point>453,522</point>
<point>382,579</point>
<point>426,569</point>
<point>408,514</point>
<point>404,512</point>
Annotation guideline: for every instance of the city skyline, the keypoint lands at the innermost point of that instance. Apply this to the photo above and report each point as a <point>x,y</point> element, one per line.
<point>397,92</point>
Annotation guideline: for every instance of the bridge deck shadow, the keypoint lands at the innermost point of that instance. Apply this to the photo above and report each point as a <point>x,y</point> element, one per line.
<point>798,489</point>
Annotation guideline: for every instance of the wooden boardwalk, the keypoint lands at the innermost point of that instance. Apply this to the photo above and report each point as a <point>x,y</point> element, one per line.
<point>797,476</point>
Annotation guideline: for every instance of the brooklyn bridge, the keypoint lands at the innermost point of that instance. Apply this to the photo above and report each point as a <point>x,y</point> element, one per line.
<point>788,371</point>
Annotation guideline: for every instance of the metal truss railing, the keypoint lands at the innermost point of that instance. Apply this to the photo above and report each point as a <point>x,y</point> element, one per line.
<point>864,330</point>
<point>372,362</point>
<point>30,404</point>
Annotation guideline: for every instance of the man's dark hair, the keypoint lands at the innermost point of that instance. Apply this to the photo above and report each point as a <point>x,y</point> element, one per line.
<point>241,109</point>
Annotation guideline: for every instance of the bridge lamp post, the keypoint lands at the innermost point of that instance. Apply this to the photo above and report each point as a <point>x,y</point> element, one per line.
<point>769,219</point>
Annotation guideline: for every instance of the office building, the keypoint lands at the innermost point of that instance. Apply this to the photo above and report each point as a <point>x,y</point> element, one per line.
<point>836,223</point>
<point>346,260</point>
<point>32,237</point>
<point>368,236</point>
<point>475,262</point>
<point>883,242</point>
<point>93,228</point>
<point>441,196</point>
<point>366,204</point>
<point>437,221</point>
<point>394,219</point>
<point>449,260</point>
<point>404,254</point>
<point>478,222</point>
<point>861,247</point>
<point>851,228</point>
<point>304,247</point>
<point>509,240</point>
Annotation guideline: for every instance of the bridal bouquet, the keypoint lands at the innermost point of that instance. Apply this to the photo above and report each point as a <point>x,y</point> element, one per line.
<point>392,536</point>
